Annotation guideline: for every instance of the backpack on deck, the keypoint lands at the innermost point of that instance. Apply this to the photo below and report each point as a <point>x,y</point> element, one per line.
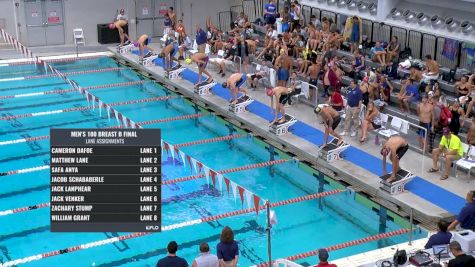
<point>445,116</point>
<point>405,54</point>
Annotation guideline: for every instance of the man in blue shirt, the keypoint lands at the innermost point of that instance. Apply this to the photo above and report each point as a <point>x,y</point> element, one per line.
<point>410,96</point>
<point>442,237</point>
<point>201,38</point>
<point>270,12</point>
<point>172,260</point>
<point>353,105</point>
<point>466,217</point>
<point>378,54</point>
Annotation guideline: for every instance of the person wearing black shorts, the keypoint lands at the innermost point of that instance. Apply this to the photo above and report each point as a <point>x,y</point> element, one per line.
<point>395,147</point>
<point>331,119</point>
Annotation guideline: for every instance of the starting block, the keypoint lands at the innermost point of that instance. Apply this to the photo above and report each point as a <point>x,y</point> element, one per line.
<point>148,61</point>
<point>332,150</point>
<point>124,49</point>
<point>240,106</point>
<point>204,88</point>
<point>402,178</point>
<point>282,128</point>
<point>174,72</point>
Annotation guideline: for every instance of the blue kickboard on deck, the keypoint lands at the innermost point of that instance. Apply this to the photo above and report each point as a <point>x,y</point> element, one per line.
<point>418,186</point>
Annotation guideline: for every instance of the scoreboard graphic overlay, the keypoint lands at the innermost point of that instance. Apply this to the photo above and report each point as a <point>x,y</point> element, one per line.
<point>105,180</point>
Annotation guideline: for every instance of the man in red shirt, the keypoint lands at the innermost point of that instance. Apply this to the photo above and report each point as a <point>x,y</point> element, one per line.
<point>323,257</point>
<point>335,100</point>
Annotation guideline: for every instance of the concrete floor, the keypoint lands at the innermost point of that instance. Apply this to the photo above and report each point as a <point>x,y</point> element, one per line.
<point>413,161</point>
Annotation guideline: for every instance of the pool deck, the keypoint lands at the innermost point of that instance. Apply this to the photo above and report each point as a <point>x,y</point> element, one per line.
<point>358,177</point>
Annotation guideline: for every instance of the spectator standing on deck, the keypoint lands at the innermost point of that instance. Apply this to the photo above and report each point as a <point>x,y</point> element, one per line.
<point>270,12</point>
<point>451,148</point>
<point>201,38</point>
<point>323,258</point>
<point>172,15</point>
<point>353,107</point>
<point>122,16</point>
<point>172,260</point>
<point>466,217</point>
<point>442,237</point>
<point>227,249</point>
<point>425,111</point>
<point>205,259</point>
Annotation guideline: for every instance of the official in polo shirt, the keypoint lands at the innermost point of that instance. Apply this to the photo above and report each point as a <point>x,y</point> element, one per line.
<point>466,217</point>
<point>201,39</point>
<point>353,106</point>
<point>442,237</point>
<point>451,148</point>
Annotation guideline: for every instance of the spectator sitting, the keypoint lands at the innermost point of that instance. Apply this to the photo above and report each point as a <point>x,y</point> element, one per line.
<point>456,121</point>
<point>385,90</point>
<point>431,71</point>
<point>442,237</point>
<point>408,94</point>
<point>450,147</point>
<point>172,260</point>
<point>185,45</point>
<point>205,259</point>
<point>466,217</point>
<point>392,51</point>
<point>227,58</point>
<point>461,259</point>
<point>371,121</point>
<point>378,54</point>
<point>227,249</point>
<point>323,258</point>
<point>335,100</point>
<point>358,64</point>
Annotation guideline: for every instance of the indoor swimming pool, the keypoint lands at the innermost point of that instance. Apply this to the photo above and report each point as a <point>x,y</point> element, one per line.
<point>28,89</point>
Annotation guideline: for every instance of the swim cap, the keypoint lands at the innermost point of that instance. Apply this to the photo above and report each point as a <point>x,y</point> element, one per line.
<point>111,26</point>
<point>282,51</point>
<point>136,44</point>
<point>269,92</point>
<point>317,110</point>
<point>224,85</point>
<point>188,61</point>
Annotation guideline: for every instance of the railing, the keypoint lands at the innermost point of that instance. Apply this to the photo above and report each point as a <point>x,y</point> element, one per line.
<point>224,21</point>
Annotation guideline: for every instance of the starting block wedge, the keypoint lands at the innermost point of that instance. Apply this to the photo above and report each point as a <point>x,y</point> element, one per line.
<point>402,178</point>
<point>240,106</point>
<point>282,128</point>
<point>174,72</point>
<point>204,88</point>
<point>332,150</point>
<point>124,49</point>
<point>148,61</point>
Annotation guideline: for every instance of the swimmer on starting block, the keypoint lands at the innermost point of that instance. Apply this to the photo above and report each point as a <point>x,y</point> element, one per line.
<point>168,54</point>
<point>396,147</point>
<point>234,82</point>
<point>142,44</point>
<point>119,25</point>
<point>201,59</point>
<point>331,118</point>
<point>280,95</point>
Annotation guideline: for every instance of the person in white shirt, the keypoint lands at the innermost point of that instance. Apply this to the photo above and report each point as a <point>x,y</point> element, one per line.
<point>205,259</point>
<point>122,16</point>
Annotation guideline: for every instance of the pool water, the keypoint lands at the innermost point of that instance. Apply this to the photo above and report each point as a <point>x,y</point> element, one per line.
<point>301,227</point>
